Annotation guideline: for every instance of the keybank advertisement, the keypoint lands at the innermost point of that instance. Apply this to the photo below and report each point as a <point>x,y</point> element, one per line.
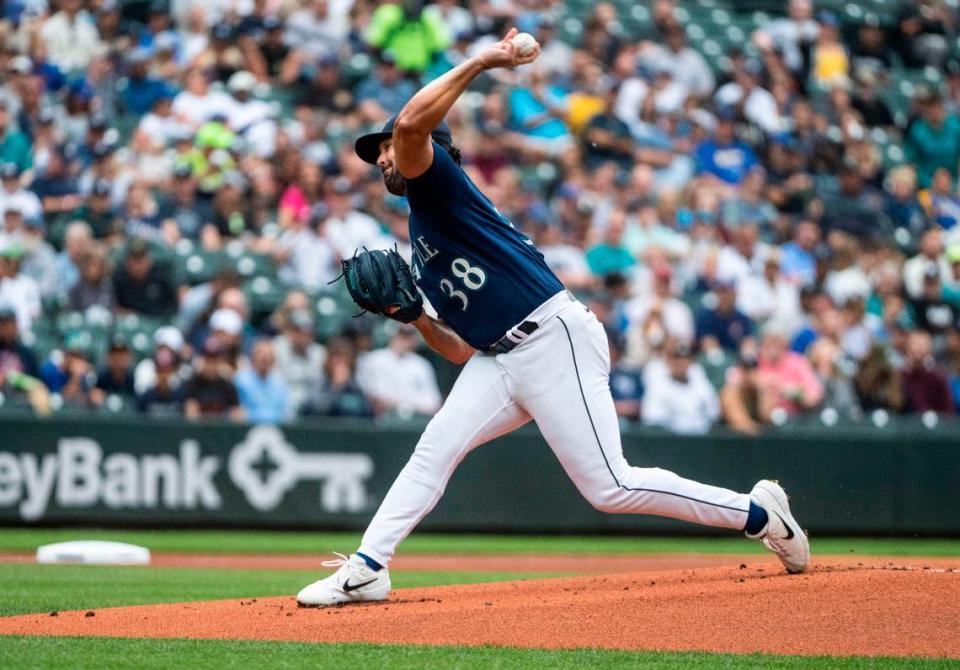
<point>121,471</point>
<point>208,474</point>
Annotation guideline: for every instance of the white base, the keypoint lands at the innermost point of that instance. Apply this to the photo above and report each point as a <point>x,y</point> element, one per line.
<point>93,552</point>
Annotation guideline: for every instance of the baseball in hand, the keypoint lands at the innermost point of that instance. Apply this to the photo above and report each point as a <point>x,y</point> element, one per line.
<point>524,43</point>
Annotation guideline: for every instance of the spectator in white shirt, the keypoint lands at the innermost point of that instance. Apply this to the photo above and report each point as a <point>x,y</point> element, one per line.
<point>13,195</point>
<point>769,296</point>
<point>249,118</point>
<point>397,380</point>
<point>754,103</point>
<point>567,261</point>
<point>654,316</point>
<point>349,229</point>
<point>931,254</point>
<point>308,258</point>
<point>745,255</point>
<point>790,34</point>
<point>686,64</point>
<point>71,37</point>
<point>678,396</point>
<point>319,27</point>
<point>18,290</point>
<point>197,103</point>
<point>299,359</point>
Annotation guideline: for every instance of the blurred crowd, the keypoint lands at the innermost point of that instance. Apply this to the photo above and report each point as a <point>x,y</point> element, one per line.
<point>764,233</point>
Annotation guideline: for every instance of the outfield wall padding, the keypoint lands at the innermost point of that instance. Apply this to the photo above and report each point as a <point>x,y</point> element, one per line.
<point>124,471</point>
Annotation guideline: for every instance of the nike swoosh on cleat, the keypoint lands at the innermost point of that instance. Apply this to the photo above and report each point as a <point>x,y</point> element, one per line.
<point>786,525</point>
<point>348,587</point>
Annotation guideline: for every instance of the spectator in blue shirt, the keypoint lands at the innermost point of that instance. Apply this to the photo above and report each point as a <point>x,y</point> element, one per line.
<point>263,392</point>
<point>724,324</point>
<point>536,112</point>
<point>141,91</point>
<point>797,261</point>
<point>724,156</point>
<point>626,383</point>
<point>386,88</point>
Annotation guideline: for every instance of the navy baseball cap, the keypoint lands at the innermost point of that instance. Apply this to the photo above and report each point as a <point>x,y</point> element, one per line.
<point>368,146</point>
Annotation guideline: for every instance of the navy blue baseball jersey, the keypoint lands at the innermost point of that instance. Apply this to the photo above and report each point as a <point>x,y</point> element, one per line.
<point>481,274</point>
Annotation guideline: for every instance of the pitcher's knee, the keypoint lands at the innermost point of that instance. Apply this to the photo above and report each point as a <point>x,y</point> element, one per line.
<point>608,499</point>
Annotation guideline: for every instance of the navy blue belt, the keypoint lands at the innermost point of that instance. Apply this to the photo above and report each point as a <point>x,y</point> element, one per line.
<point>513,337</point>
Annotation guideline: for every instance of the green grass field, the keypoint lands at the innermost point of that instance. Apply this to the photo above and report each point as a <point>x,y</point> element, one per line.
<point>26,588</point>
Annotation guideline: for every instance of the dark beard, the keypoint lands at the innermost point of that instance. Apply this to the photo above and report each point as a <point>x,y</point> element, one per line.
<point>395,182</point>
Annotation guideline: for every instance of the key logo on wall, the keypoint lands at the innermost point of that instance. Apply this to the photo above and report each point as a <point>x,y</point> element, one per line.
<point>265,466</point>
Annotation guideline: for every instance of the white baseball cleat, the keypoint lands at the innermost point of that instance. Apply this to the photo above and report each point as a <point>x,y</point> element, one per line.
<point>354,582</point>
<point>782,535</point>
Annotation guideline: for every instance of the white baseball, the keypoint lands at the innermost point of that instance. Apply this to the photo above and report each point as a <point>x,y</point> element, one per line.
<point>524,43</point>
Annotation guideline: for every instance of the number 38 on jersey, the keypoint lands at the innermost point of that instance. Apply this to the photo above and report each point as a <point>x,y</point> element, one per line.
<point>469,277</point>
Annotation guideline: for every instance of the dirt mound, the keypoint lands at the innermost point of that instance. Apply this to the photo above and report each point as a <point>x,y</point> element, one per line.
<point>870,608</point>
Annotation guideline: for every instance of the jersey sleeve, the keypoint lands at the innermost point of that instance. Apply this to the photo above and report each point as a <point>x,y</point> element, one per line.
<point>443,186</point>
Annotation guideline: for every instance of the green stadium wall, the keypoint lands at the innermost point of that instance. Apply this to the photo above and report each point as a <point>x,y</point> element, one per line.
<point>128,472</point>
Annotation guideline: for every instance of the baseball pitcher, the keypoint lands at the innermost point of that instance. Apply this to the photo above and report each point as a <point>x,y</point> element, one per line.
<point>532,352</point>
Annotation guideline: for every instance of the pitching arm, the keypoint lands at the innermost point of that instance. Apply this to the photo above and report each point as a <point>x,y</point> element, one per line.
<point>443,340</point>
<point>411,132</point>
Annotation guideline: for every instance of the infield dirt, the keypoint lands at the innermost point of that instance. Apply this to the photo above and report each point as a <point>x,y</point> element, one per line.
<point>842,606</point>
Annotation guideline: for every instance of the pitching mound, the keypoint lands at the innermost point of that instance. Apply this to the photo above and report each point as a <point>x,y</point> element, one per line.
<point>870,608</point>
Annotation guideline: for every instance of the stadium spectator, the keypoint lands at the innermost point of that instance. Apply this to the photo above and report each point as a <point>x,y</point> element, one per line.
<point>723,325</point>
<point>210,393</point>
<point>607,138</point>
<point>14,196</point>
<point>792,34</point>
<point>610,255</point>
<point>933,139</point>
<point>94,288</point>
<point>264,395</point>
<point>921,33</point>
<point>626,383</point>
<point>749,100</point>
<point>14,144</point>
<point>833,370</point>
<point>17,290</point>
<point>305,252</point>
<point>413,35</point>
<point>317,28</point>
<point>878,382</point>
<point>830,62</point>
<point>299,358</point>
<point>19,371</point>
<point>70,36</point>
<point>169,339</point>
<point>70,373</point>
<point>941,202</point>
<point>925,386</point>
<point>140,92</point>
<point>338,393</point>
<point>40,262</point>
<point>165,395</point>
<point>115,377</point>
<point>931,254</point>
<point>536,111</point>
<point>142,286</point>
<point>654,315</point>
<point>723,156</point>
<point>678,396</point>
<point>687,66</point>
<point>386,90</point>
<point>397,380</point>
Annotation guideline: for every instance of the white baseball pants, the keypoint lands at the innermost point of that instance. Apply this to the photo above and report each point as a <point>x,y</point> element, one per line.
<point>558,376</point>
